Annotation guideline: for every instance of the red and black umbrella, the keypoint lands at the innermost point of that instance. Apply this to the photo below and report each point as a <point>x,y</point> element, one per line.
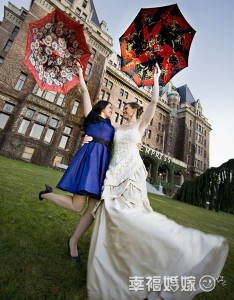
<point>55,44</point>
<point>161,35</point>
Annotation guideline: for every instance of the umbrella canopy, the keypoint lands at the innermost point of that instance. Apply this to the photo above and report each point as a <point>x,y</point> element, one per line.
<point>161,35</point>
<point>55,43</point>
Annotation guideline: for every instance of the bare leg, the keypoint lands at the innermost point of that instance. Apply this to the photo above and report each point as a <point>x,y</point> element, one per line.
<point>74,203</point>
<point>85,221</point>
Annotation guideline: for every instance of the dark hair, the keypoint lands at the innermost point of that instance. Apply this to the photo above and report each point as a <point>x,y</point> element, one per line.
<point>137,106</point>
<point>92,117</point>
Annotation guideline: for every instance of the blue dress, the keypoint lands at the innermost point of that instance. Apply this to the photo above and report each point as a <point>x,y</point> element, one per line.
<point>86,172</point>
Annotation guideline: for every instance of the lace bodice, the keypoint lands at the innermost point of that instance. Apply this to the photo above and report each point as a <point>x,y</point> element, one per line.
<point>126,157</point>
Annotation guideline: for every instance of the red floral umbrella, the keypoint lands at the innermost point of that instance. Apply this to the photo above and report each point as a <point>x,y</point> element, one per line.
<point>55,44</point>
<point>161,35</point>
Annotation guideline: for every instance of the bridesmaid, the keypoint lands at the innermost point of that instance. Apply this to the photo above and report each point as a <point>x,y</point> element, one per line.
<point>85,174</point>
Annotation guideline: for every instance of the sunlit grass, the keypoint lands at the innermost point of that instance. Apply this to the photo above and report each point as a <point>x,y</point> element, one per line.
<point>34,260</point>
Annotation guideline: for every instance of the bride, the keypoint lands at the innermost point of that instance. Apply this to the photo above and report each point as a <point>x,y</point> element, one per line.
<point>135,252</point>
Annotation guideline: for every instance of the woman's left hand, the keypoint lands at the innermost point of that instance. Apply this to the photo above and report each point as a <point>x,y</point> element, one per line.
<point>87,139</point>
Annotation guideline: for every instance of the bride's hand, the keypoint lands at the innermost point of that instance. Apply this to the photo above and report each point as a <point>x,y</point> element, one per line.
<point>87,139</point>
<point>157,72</point>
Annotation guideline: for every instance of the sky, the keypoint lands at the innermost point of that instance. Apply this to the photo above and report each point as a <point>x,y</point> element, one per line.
<point>210,74</point>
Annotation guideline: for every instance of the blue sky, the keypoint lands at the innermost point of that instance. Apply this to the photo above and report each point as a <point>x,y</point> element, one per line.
<point>211,62</point>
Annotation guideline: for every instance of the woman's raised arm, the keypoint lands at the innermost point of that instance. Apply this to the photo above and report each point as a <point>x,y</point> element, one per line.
<point>84,90</point>
<point>150,110</point>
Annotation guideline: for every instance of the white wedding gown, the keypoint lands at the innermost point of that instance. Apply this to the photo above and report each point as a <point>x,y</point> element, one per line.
<point>132,244</point>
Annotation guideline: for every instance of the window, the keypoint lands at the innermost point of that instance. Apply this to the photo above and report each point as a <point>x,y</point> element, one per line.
<point>106,97</point>
<point>1,60</point>
<point>78,11</point>
<point>42,118</point>
<point>50,96</point>
<point>8,107</point>
<point>29,113</point>
<point>57,160</point>
<point>75,107</point>
<point>7,46</point>
<point>3,120</point>
<point>160,116</point>
<point>36,131</point>
<point>105,81</point>
<point>123,93</point>
<point>53,122</point>
<point>170,141</point>
<point>60,99</point>
<point>84,4</point>
<point>188,160</point>
<point>102,93</point>
<point>93,53</point>
<point>148,133</point>
<point>84,17</point>
<point>116,117</point>
<point>88,69</point>
<point>28,153</point>
<point>162,127</point>
<point>121,119</point>
<point>151,122</point>
<point>15,30</point>
<point>57,98</point>
<point>126,95</point>
<point>49,135</point>
<point>159,126</point>
<point>21,81</point>
<point>63,142</point>
<point>109,85</point>
<point>24,14</point>
<point>23,126</point>
<point>119,103</point>
<point>67,130</point>
<point>157,138</point>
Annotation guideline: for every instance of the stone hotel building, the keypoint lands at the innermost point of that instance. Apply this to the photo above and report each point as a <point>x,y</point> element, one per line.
<point>45,128</point>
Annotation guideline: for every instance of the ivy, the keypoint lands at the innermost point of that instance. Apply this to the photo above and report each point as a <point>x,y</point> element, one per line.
<point>214,189</point>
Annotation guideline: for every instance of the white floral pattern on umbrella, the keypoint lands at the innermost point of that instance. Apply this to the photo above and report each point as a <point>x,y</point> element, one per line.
<point>55,44</point>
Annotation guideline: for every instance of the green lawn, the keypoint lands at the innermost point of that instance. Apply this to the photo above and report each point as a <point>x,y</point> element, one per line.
<point>34,261</point>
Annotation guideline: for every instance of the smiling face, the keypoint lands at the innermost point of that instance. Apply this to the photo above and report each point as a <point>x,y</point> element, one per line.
<point>107,111</point>
<point>129,112</point>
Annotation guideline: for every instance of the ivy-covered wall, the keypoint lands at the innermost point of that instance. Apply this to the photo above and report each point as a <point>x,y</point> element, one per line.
<point>157,160</point>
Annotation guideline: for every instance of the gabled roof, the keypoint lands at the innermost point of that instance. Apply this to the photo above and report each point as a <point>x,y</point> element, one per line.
<point>185,94</point>
<point>94,16</point>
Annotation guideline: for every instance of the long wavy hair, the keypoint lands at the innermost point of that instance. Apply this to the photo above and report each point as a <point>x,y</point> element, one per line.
<point>95,112</point>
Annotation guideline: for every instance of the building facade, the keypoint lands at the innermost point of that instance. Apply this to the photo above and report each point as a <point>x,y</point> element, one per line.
<point>45,128</point>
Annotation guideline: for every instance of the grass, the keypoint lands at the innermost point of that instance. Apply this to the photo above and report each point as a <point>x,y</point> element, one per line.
<point>34,261</point>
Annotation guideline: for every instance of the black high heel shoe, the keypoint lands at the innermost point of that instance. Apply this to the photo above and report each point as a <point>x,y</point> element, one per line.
<point>47,190</point>
<point>76,258</point>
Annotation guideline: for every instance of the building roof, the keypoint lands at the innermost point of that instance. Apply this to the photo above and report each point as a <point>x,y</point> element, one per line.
<point>185,94</point>
<point>94,19</point>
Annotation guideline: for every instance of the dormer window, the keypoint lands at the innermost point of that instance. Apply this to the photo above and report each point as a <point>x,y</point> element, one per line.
<point>85,2</point>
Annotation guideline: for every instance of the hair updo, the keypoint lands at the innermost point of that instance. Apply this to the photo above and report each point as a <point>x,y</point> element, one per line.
<point>137,106</point>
